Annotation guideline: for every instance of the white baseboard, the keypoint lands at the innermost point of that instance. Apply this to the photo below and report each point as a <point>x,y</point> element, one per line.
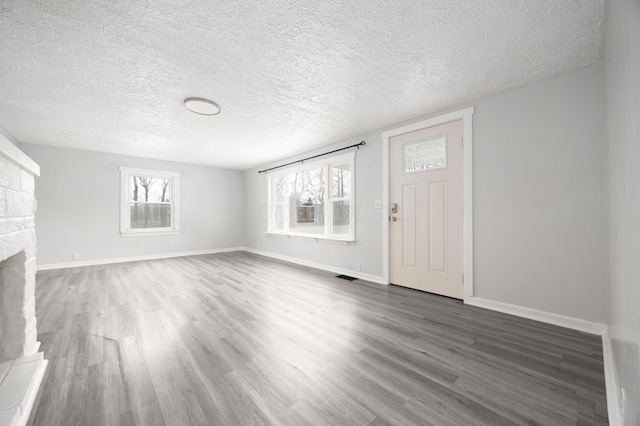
<point>367,277</point>
<point>74,264</point>
<point>542,316</point>
<point>614,406</point>
<point>77,263</point>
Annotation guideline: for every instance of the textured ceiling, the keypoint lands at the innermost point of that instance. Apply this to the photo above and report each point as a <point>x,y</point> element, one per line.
<point>111,75</point>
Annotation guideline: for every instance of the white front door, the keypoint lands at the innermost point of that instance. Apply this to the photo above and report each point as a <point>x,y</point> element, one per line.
<point>426,199</point>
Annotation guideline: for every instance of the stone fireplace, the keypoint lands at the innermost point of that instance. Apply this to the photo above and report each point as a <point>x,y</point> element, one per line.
<point>21,366</point>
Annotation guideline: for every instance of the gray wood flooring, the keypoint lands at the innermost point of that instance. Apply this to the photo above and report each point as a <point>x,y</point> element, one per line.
<point>239,339</point>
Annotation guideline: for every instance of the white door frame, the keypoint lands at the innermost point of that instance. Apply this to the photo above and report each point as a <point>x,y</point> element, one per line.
<point>467,222</point>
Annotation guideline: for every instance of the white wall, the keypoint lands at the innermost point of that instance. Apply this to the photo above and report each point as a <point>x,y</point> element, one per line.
<point>622,118</point>
<point>539,236</point>
<point>78,195</point>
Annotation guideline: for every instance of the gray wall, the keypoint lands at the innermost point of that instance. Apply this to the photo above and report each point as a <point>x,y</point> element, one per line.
<point>622,118</point>
<point>539,196</point>
<point>78,196</point>
<point>539,219</point>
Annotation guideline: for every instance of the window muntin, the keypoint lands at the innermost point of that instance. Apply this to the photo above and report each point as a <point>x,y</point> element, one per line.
<point>149,204</point>
<point>314,200</point>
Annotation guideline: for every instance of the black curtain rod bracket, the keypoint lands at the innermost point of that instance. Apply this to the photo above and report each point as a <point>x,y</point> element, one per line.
<point>358,145</point>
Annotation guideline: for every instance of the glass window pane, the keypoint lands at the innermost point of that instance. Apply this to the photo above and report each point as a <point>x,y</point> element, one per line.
<point>307,219</point>
<point>277,217</point>
<point>150,215</point>
<point>340,217</point>
<point>430,154</point>
<point>150,189</point>
<point>277,190</point>
<point>307,187</point>
<point>307,196</point>
<point>306,192</point>
<point>340,181</point>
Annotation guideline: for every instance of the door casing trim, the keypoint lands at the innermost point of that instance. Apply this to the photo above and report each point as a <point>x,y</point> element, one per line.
<point>467,223</point>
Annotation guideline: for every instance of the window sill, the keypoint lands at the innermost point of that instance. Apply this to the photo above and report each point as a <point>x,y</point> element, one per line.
<point>336,240</point>
<point>148,233</point>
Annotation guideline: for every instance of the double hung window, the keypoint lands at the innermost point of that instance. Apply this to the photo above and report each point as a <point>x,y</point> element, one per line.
<point>314,200</point>
<point>149,202</point>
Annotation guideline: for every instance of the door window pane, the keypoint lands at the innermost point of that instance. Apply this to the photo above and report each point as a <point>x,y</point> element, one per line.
<point>428,154</point>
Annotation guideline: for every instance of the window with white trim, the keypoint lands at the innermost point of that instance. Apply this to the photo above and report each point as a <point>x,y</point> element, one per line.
<point>148,202</point>
<point>314,200</point>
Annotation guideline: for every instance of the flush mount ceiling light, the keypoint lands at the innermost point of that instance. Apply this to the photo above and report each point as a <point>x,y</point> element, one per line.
<point>202,106</point>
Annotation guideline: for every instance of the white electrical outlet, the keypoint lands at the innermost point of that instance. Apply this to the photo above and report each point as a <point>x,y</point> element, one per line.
<point>358,266</point>
<point>377,204</point>
<point>75,255</point>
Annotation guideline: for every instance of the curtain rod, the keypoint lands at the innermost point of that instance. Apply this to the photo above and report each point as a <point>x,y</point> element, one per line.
<point>358,145</point>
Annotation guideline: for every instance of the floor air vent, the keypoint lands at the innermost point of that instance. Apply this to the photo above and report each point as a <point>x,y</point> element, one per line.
<point>346,277</point>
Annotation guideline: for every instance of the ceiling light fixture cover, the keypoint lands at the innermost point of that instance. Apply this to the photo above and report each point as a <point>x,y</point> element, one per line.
<point>202,106</point>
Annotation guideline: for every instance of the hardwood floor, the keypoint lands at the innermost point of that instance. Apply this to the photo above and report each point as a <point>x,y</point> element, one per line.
<point>239,339</point>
